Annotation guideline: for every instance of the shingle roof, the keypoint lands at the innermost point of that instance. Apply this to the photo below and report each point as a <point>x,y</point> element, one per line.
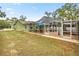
<point>45,19</point>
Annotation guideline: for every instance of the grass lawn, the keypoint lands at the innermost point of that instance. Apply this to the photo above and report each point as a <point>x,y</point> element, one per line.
<point>23,43</point>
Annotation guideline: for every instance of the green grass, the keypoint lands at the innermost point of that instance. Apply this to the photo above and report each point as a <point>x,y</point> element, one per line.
<point>26,44</point>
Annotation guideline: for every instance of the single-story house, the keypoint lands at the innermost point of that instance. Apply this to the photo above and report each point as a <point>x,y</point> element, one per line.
<point>58,27</point>
<point>19,25</point>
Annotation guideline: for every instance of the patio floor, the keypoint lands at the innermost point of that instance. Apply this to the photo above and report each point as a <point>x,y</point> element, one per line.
<point>55,36</point>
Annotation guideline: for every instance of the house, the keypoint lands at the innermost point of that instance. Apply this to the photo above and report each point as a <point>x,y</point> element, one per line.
<point>49,24</point>
<point>22,25</point>
<point>59,28</point>
<point>45,23</point>
<point>31,26</point>
<point>18,25</point>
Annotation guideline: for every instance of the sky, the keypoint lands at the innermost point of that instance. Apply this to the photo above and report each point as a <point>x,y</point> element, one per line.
<point>33,11</point>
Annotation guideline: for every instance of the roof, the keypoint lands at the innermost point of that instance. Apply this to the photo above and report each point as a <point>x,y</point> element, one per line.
<point>46,20</point>
<point>13,22</point>
<point>30,22</point>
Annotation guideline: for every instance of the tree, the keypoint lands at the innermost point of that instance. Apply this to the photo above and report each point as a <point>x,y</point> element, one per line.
<point>14,18</point>
<point>7,18</point>
<point>68,11</point>
<point>54,14</point>
<point>2,14</point>
<point>4,24</point>
<point>22,18</point>
<point>47,14</point>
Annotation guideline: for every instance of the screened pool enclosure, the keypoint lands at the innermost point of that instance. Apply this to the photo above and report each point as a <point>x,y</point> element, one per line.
<point>65,29</point>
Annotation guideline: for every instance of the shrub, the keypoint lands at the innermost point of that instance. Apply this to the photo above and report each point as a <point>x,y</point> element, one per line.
<point>4,24</point>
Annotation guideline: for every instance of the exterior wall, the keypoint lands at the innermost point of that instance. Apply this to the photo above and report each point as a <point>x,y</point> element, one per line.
<point>63,31</point>
<point>50,29</point>
<point>31,27</point>
<point>19,26</point>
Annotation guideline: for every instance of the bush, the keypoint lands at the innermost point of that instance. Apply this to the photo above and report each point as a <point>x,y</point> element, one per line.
<point>4,24</point>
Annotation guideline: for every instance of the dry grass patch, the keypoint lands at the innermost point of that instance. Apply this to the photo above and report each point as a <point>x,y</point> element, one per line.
<point>23,43</point>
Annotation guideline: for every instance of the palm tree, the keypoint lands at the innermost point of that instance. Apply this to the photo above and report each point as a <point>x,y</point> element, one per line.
<point>7,18</point>
<point>47,14</point>
<point>22,18</point>
<point>14,19</point>
<point>54,14</point>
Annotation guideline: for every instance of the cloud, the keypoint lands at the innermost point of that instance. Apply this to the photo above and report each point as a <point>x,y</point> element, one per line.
<point>11,12</point>
<point>9,9</point>
<point>17,3</point>
<point>34,7</point>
